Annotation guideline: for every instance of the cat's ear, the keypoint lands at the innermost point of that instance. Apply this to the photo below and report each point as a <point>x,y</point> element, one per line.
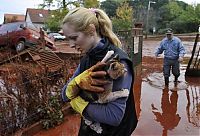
<point>116,57</point>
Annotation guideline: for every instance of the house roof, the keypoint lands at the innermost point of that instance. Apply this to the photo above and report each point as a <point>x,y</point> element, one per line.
<point>13,18</point>
<point>37,15</point>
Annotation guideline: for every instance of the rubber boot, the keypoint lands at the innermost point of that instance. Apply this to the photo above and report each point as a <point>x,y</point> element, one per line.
<point>166,81</point>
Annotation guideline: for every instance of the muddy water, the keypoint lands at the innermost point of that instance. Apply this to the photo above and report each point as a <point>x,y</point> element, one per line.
<point>166,111</point>
<point>161,111</point>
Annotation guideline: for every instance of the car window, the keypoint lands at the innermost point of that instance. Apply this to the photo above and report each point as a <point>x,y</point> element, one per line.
<point>4,28</point>
<point>12,27</point>
<point>9,27</point>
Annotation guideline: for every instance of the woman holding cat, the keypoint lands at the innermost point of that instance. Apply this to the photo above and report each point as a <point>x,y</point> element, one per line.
<point>90,31</point>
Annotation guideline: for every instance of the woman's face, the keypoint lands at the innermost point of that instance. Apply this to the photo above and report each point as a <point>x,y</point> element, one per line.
<point>78,40</point>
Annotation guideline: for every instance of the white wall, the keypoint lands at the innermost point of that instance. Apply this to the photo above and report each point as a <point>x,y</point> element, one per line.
<point>37,25</point>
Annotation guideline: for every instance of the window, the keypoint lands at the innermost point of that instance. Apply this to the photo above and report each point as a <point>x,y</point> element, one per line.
<point>40,15</point>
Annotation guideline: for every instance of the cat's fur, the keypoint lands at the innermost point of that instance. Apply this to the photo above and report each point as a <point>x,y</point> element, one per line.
<point>115,70</point>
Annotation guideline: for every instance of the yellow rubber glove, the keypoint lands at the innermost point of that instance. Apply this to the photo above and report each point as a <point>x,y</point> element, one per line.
<point>92,79</point>
<point>79,104</point>
<point>72,89</point>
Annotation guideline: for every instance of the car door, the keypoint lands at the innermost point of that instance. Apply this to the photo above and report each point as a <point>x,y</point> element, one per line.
<point>13,34</point>
<point>3,34</point>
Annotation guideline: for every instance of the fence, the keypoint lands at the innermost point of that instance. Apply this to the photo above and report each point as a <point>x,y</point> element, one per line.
<point>132,41</point>
<point>28,95</point>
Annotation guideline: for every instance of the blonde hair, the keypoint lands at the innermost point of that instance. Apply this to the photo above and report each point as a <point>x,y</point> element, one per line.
<point>81,18</point>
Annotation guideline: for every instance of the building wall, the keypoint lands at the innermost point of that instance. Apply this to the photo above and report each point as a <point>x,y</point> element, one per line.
<point>37,25</point>
<point>28,19</point>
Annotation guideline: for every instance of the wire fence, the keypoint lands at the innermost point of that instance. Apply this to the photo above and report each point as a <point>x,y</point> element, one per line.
<point>26,96</point>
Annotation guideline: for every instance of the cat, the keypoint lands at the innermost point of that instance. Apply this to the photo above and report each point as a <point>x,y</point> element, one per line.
<point>115,69</point>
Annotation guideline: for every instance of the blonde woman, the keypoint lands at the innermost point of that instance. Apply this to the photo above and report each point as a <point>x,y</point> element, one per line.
<point>90,31</point>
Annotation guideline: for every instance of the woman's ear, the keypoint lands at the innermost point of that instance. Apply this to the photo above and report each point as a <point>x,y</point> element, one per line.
<point>92,29</point>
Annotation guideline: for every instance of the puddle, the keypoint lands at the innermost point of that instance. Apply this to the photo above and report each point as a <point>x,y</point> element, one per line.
<point>157,80</point>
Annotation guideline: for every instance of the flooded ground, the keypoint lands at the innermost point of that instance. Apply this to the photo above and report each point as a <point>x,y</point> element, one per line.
<point>161,111</point>
<point>167,111</point>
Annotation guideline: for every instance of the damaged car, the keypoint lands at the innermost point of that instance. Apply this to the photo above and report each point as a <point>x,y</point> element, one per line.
<point>20,35</point>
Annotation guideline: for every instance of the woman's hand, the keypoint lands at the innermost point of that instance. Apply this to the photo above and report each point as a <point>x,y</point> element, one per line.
<point>93,78</point>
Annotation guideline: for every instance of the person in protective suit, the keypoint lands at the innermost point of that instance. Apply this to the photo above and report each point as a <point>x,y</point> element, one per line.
<point>90,32</point>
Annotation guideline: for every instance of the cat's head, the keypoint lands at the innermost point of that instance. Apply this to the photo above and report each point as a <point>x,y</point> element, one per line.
<point>115,69</point>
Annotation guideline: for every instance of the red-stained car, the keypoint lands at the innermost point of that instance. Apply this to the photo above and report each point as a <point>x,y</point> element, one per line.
<point>20,35</point>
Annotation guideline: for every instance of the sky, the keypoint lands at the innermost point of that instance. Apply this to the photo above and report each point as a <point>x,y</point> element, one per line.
<point>19,6</point>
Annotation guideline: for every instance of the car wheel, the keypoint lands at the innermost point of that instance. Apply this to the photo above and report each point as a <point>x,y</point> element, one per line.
<point>20,46</point>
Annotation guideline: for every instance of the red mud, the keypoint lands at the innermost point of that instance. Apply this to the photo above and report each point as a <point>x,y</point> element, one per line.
<point>69,128</point>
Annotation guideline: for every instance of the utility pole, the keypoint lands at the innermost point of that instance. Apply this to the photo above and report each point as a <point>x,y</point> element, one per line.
<point>147,23</point>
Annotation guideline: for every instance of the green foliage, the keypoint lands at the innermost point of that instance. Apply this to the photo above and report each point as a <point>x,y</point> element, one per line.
<point>53,23</point>
<point>179,16</point>
<point>163,14</point>
<point>169,12</point>
<point>91,3</point>
<point>51,113</point>
<point>187,22</point>
<point>110,7</point>
<point>124,17</point>
<point>55,19</point>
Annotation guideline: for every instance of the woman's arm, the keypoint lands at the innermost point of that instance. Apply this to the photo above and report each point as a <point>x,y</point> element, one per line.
<point>111,113</point>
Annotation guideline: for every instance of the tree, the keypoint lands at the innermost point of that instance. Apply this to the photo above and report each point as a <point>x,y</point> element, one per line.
<point>54,21</point>
<point>49,3</point>
<point>188,21</point>
<point>168,13</point>
<point>46,3</point>
<point>110,7</point>
<point>91,3</point>
<point>124,17</point>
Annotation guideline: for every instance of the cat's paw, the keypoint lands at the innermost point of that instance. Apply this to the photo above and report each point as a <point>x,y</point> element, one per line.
<point>125,92</point>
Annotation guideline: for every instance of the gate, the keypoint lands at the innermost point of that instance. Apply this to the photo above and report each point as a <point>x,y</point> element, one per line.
<point>132,41</point>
